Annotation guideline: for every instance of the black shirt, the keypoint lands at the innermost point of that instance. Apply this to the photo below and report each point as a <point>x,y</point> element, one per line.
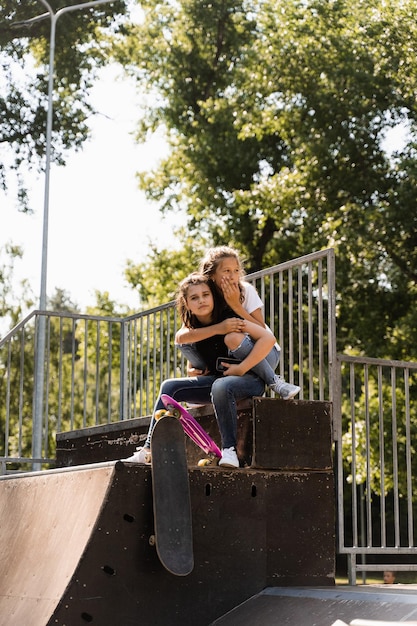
<point>213,347</point>
<point>210,349</point>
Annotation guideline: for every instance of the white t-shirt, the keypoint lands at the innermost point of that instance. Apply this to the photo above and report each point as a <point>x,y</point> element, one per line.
<point>253,301</point>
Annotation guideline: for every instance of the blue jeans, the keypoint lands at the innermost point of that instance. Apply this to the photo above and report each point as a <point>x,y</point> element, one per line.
<point>265,369</point>
<point>223,392</point>
<point>191,353</point>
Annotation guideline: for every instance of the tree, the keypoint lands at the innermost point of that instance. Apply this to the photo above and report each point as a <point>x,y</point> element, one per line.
<point>277,114</point>
<point>158,277</point>
<point>81,48</point>
<point>11,313</point>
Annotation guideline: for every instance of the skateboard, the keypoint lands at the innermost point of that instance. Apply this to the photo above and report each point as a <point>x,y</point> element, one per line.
<point>171,498</point>
<point>191,427</point>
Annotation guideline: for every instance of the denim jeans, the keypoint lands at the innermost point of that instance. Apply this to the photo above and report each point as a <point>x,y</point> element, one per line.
<point>191,353</point>
<point>265,369</point>
<point>223,392</point>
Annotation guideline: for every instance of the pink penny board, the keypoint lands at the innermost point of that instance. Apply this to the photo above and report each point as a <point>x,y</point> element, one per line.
<point>191,427</point>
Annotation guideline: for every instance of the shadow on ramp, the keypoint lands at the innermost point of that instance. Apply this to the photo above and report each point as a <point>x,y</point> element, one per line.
<point>280,606</point>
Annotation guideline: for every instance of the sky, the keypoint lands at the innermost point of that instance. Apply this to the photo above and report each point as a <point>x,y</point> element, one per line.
<point>98,218</point>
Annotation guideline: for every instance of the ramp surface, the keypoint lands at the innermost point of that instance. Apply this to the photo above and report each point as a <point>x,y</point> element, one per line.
<point>46,521</point>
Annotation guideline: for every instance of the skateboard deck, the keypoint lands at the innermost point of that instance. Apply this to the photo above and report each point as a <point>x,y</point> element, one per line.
<point>191,427</point>
<point>171,497</point>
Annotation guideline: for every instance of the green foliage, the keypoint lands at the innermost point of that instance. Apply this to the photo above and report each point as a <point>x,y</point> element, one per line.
<point>82,43</point>
<point>61,301</point>
<point>12,303</point>
<point>277,115</point>
<point>158,277</point>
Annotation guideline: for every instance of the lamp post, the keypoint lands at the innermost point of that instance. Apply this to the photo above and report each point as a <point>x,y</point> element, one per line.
<point>41,330</point>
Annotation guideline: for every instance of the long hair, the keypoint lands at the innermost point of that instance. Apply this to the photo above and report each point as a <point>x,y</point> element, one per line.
<point>188,319</point>
<point>212,260</point>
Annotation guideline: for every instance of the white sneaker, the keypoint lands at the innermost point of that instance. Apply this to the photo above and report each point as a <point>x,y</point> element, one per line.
<point>285,390</point>
<point>142,456</point>
<point>229,458</point>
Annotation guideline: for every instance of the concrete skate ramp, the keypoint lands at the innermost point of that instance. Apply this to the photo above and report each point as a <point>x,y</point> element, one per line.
<point>280,606</point>
<point>46,521</point>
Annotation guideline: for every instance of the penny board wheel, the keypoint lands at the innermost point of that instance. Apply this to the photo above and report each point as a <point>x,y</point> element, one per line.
<point>173,412</point>
<point>160,413</point>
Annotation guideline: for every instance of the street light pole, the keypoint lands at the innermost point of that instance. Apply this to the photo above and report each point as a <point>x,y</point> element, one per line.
<point>41,331</point>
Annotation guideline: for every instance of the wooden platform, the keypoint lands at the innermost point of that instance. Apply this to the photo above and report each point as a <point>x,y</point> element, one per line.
<point>272,434</point>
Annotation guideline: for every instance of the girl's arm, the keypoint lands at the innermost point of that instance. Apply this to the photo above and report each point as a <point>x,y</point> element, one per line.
<point>264,342</point>
<point>192,335</point>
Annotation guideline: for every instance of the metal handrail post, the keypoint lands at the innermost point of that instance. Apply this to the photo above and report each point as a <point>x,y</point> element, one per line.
<point>333,374</point>
<point>124,371</point>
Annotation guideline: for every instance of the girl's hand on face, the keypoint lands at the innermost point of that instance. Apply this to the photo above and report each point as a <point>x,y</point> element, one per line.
<point>231,291</point>
<point>232,325</point>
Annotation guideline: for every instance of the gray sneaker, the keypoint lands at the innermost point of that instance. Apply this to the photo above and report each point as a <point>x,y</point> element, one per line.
<point>142,456</point>
<point>285,390</point>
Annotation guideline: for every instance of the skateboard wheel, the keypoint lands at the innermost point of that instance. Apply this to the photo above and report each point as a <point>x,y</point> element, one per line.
<point>160,413</point>
<point>203,462</point>
<point>173,411</point>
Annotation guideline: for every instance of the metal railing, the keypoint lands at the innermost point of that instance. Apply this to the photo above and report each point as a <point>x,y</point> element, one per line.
<point>374,430</point>
<point>99,370</point>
